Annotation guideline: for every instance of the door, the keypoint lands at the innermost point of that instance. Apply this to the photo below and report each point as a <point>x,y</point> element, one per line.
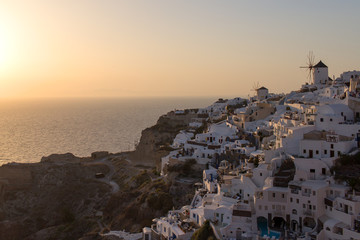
<point>238,234</point>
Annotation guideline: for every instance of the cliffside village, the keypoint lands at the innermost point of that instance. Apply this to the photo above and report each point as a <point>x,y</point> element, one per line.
<point>268,165</point>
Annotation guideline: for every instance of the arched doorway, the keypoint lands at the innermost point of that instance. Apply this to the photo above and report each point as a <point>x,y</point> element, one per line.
<point>238,233</point>
<point>278,223</point>
<point>294,225</point>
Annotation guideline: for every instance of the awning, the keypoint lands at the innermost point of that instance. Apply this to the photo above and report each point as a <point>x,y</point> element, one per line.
<point>342,225</point>
<point>331,223</point>
<point>324,218</point>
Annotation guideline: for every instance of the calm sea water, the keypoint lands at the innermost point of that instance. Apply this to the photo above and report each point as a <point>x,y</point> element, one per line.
<point>36,128</point>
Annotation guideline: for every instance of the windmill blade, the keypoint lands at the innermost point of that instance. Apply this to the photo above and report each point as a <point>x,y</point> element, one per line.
<point>310,64</point>
<point>255,86</point>
<point>309,74</point>
<point>311,59</point>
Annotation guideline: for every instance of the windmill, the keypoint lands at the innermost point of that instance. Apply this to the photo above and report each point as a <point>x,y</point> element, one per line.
<point>310,64</point>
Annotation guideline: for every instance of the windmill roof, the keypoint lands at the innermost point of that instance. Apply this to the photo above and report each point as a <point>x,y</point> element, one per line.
<point>262,88</point>
<point>320,65</point>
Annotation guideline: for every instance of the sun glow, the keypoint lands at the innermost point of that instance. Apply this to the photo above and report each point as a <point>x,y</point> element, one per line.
<point>3,51</point>
<point>6,45</point>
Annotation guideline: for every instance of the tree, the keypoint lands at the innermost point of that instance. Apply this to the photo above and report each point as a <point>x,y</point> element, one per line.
<point>204,233</point>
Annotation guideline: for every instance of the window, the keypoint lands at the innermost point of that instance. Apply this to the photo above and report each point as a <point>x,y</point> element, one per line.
<point>217,214</point>
<point>339,153</point>
<point>304,151</point>
<point>330,119</point>
<point>273,207</point>
<point>260,207</point>
<point>194,216</point>
<point>283,195</point>
<point>164,229</point>
<point>297,200</point>
<point>273,195</point>
<point>260,174</point>
<point>294,211</point>
<point>321,119</point>
<point>304,206</point>
<point>266,208</point>
<point>325,151</point>
<point>314,193</point>
<point>314,207</point>
<point>291,199</point>
<point>332,146</point>
<point>310,207</point>
<point>317,151</point>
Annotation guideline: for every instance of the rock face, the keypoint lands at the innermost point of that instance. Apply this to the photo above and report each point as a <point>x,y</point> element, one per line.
<point>50,198</point>
<point>155,140</point>
<point>66,157</point>
<point>60,197</point>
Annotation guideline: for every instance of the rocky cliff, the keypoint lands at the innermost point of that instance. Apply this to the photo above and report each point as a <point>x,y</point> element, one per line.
<point>67,197</point>
<point>154,142</point>
<point>53,199</point>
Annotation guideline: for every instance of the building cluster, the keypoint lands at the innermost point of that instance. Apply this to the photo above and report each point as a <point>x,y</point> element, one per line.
<point>268,165</point>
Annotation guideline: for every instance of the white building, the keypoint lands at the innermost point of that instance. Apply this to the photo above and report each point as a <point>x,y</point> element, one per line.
<point>262,93</point>
<point>320,74</point>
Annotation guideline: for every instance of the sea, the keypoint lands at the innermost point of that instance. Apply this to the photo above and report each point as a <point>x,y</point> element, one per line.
<point>31,129</point>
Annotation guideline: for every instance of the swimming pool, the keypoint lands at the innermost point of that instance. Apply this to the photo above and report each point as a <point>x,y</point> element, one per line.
<point>264,230</point>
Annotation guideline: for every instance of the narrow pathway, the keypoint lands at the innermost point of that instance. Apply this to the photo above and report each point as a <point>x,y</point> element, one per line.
<point>109,175</point>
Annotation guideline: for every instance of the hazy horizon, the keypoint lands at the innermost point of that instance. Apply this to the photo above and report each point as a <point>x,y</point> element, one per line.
<point>159,48</point>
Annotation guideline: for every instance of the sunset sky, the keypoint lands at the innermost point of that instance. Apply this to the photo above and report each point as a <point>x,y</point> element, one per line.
<point>115,48</point>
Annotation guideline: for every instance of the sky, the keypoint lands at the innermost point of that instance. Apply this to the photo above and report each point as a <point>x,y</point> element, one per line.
<point>163,48</point>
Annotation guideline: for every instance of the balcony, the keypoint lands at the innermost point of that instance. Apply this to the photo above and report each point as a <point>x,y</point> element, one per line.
<point>279,213</point>
<point>306,194</point>
<point>308,213</point>
<point>295,191</point>
<point>329,202</point>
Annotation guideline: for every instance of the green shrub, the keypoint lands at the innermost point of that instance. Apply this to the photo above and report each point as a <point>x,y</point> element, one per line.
<point>204,233</point>
<point>141,178</point>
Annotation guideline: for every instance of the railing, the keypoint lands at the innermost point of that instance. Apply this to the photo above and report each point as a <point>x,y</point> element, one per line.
<point>306,194</point>
<point>308,213</point>
<point>279,212</point>
<point>295,191</point>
